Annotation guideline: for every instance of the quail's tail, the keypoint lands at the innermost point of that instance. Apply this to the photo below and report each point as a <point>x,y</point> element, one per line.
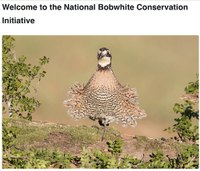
<point>74,102</point>
<point>128,109</point>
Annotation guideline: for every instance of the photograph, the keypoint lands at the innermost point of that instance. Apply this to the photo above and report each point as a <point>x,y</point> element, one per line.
<point>100,101</point>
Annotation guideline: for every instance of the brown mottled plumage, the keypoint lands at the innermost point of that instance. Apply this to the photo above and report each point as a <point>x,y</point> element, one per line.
<point>103,98</point>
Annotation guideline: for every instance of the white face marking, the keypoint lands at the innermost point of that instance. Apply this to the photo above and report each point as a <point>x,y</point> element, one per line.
<point>104,61</point>
<point>104,52</point>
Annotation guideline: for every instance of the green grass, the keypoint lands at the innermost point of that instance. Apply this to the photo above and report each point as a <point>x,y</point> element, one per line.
<point>47,145</point>
<point>56,136</point>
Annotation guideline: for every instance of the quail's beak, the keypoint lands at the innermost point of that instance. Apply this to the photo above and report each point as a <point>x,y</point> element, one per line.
<point>103,53</point>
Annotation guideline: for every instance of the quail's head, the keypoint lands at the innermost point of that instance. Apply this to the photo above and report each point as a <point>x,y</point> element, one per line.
<point>104,58</point>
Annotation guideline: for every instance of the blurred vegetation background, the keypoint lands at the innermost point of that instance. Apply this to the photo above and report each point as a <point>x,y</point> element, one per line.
<point>159,67</point>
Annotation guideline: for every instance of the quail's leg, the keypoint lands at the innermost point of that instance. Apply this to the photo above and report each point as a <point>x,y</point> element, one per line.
<point>103,122</point>
<point>104,133</point>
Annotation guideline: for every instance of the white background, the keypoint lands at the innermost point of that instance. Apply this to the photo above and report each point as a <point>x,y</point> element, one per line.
<point>104,22</point>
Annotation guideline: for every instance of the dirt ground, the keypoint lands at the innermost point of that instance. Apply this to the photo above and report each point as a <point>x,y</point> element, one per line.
<point>140,147</point>
<point>72,140</point>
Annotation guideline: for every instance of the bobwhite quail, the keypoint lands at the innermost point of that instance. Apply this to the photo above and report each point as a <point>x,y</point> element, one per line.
<point>103,98</point>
